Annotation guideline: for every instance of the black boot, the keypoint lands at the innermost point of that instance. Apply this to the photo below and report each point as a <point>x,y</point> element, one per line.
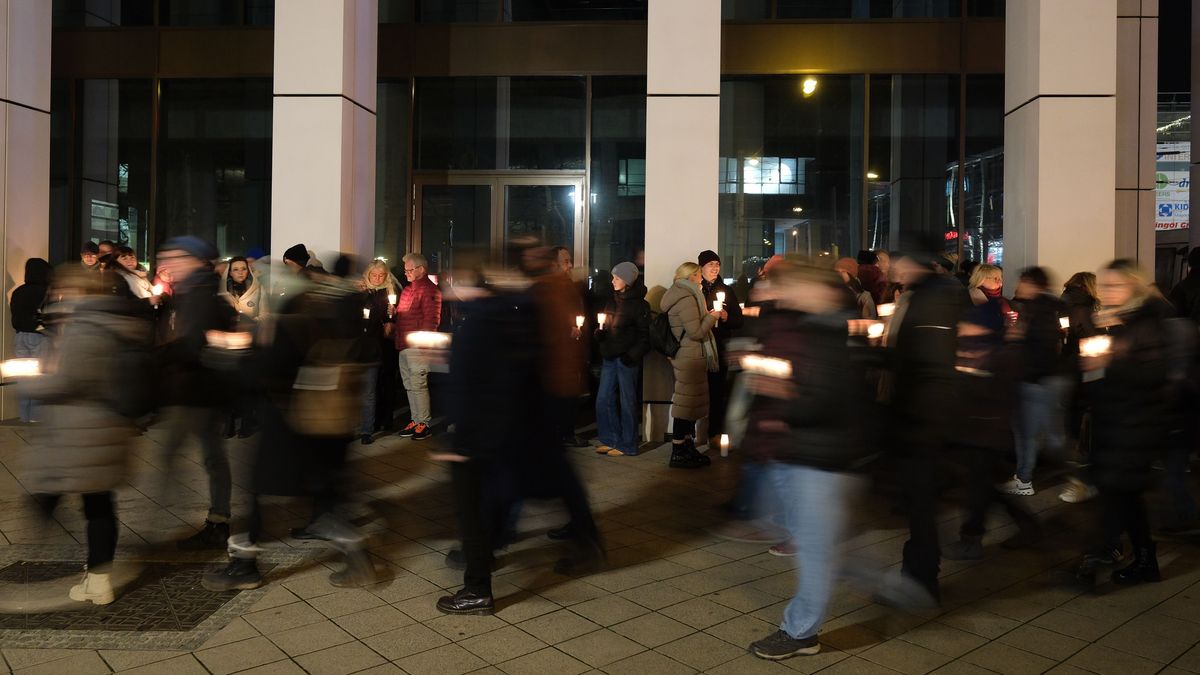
<point>213,537</point>
<point>467,602</point>
<point>683,456</point>
<point>230,424</point>
<point>1143,569</point>
<point>241,574</point>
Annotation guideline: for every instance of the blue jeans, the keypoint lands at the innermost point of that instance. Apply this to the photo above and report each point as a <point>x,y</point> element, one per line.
<point>815,513</point>
<point>616,406</point>
<point>1040,412</point>
<point>30,346</point>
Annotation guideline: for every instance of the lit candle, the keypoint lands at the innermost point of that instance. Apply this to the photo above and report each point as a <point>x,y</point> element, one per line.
<point>579,321</point>
<point>719,305</point>
<point>887,309</point>
<point>366,312</point>
<point>721,296</point>
<point>766,365</point>
<point>156,289</point>
<point>601,319</point>
<point>20,368</point>
<point>1064,323</point>
<point>875,330</point>
<point>427,339</point>
<point>391,298</point>
<point>1098,345</point>
<point>724,445</point>
<point>742,306</point>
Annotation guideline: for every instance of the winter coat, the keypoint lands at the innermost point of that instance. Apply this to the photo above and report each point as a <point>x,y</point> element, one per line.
<point>250,304</point>
<point>824,425</point>
<point>1080,306</point>
<point>27,300</point>
<point>1041,341</point>
<point>985,393</point>
<point>563,356</point>
<point>88,441</point>
<point>626,335</point>
<point>691,363</point>
<point>381,340</point>
<point>723,329</point>
<point>874,282</point>
<point>194,310</point>
<point>419,308</point>
<point>1186,297</point>
<point>1129,403</point>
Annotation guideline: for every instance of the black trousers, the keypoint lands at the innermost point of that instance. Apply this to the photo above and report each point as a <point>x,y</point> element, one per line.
<point>981,466</point>
<point>101,524</point>
<point>468,479</point>
<point>718,400</point>
<point>922,552</point>
<point>385,385</point>
<point>1124,511</point>
<point>682,429</point>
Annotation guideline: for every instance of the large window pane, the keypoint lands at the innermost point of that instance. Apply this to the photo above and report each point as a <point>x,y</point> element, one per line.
<point>745,10</point>
<point>983,180</point>
<point>102,13</point>
<point>449,11</point>
<point>391,168</point>
<point>215,162</point>
<point>790,169</point>
<point>617,207</point>
<point>483,123</point>
<point>454,218</point>
<point>574,10</point>
<point>867,9</point>
<point>216,12</point>
<point>985,7</point>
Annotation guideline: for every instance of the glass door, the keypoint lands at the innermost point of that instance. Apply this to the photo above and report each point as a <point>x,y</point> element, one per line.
<point>452,217</point>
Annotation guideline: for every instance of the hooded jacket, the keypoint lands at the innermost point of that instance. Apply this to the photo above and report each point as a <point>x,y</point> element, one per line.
<point>249,305</point>
<point>29,297</point>
<point>626,335</point>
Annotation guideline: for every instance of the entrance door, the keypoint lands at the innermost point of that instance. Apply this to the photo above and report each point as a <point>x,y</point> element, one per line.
<point>473,211</point>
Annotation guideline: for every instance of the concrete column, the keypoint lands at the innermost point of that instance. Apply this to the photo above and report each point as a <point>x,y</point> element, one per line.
<point>24,152</point>
<point>1060,118</point>
<point>1137,109</point>
<point>323,126</point>
<point>683,115</point>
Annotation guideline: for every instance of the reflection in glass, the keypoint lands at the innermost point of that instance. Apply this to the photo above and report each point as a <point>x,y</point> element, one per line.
<point>983,180</point>
<point>215,162</point>
<point>452,11</point>
<point>391,168</point>
<point>745,10</point>
<point>544,212</point>
<point>61,241</point>
<point>484,123</point>
<point>102,13</point>
<point>454,217</point>
<point>790,169</point>
<point>617,206</point>
<point>222,13</point>
<point>867,9</point>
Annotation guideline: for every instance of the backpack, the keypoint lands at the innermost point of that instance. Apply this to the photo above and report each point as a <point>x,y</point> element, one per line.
<point>662,338</point>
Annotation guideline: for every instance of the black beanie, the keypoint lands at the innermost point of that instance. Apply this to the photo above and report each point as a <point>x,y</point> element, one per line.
<point>706,257</point>
<point>297,254</point>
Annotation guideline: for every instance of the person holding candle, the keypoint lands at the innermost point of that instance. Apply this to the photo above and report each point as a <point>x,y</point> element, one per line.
<point>721,298</point>
<point>690,319</point>
<point>380,296</point>
<point>623,340</point>
<point>1129,393</point>
<point>419,308</point>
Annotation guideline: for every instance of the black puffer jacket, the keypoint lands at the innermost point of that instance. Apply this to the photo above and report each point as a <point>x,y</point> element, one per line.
<point>725,329</point>
<point>626,335</point>
<point>195,309</point>
<point>1130,401</point>
<point>1042,337</point>
<point>29,297</point>
<point>825,424</point>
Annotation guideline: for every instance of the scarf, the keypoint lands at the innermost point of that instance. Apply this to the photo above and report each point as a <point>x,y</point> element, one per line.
<point>998,296</point>
<point>710,342</point>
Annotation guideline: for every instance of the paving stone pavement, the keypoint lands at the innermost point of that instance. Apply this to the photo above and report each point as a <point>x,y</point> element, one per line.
<point>674,598</point>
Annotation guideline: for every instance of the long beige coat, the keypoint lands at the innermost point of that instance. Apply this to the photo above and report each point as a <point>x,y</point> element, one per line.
<point>690,398</point>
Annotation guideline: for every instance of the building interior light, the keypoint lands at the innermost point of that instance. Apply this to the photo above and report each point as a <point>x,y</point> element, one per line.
<point>809,86</point>
<point>752,161</point>
<point>797,209</point>
<point>871,175</point>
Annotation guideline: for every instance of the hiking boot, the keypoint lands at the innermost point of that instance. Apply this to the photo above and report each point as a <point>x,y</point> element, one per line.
<point>421,432</point>
<point>408,430</point>
<point>467,602</point>
<point>1016,486</point>
<point>780,645</point>
<point>967,547</point>
<point>213,537</point>
<point>1143,569</point>
<point>95,588</point>
<point>241,574</point>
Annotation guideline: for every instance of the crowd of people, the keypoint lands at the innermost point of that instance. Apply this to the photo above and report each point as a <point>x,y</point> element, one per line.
<point>822,376</point>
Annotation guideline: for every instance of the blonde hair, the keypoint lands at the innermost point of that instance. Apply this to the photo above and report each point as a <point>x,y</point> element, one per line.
<point>1084,280</point>
<point>389,281</point>
<point>982,273</point>
<point>686,270</point>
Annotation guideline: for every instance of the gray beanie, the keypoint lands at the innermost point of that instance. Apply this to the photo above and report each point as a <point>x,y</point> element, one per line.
<point>627,272</point>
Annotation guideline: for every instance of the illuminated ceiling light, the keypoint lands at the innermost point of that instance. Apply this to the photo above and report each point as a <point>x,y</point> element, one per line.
<point>809,86</point>
<point>795,232</point>
<point>871,175</point>
<point>797,209</point>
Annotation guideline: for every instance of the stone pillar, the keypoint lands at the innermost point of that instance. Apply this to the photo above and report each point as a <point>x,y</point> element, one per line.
<point>1137,111</point>
<point>24,153</point>
<point>323,127</point>
<point>1060,118</point>
<point>683,114</point>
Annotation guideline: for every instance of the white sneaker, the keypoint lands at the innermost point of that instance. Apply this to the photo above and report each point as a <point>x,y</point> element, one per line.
<point>1078,491</point>
<point>1016,486</point>
<point>96,588</point>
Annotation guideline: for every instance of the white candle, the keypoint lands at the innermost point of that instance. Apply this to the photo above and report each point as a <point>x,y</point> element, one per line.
<point>579,321</point>
<point>1064,323</point>
<point>875,330</point>
<point>766,365</point>
<point>720,296</point>
<point>1098,345</point>
<point>20,368</point>
<point>156,289</point>
<point>601,319</point>
<point>391,298</point>
<point>719,305</point>
<point>724,445</point>
<point>366,312</point>
<point>427,339</point>
<point>887,309</point>
<point>742,306</point>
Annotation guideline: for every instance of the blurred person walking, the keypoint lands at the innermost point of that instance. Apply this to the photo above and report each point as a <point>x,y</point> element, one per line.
<point>30,342</point>
<point>872,277</point>
<point>809,430</point>
<point>692,323</point>
<point>192,392</point>
<point>624,340</point>
<point>419,309</point>
<point>847,268</point>
<point>88,444</point>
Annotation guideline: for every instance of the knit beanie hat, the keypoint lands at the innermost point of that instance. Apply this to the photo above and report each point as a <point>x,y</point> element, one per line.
<point>297,254</point>
<point>706,257</point>
<point>627,272</point>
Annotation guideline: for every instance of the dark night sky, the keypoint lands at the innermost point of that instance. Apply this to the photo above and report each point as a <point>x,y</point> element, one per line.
<point>1175,45</point>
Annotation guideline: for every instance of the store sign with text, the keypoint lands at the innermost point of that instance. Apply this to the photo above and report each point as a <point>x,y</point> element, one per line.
<point>1172,183</point>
